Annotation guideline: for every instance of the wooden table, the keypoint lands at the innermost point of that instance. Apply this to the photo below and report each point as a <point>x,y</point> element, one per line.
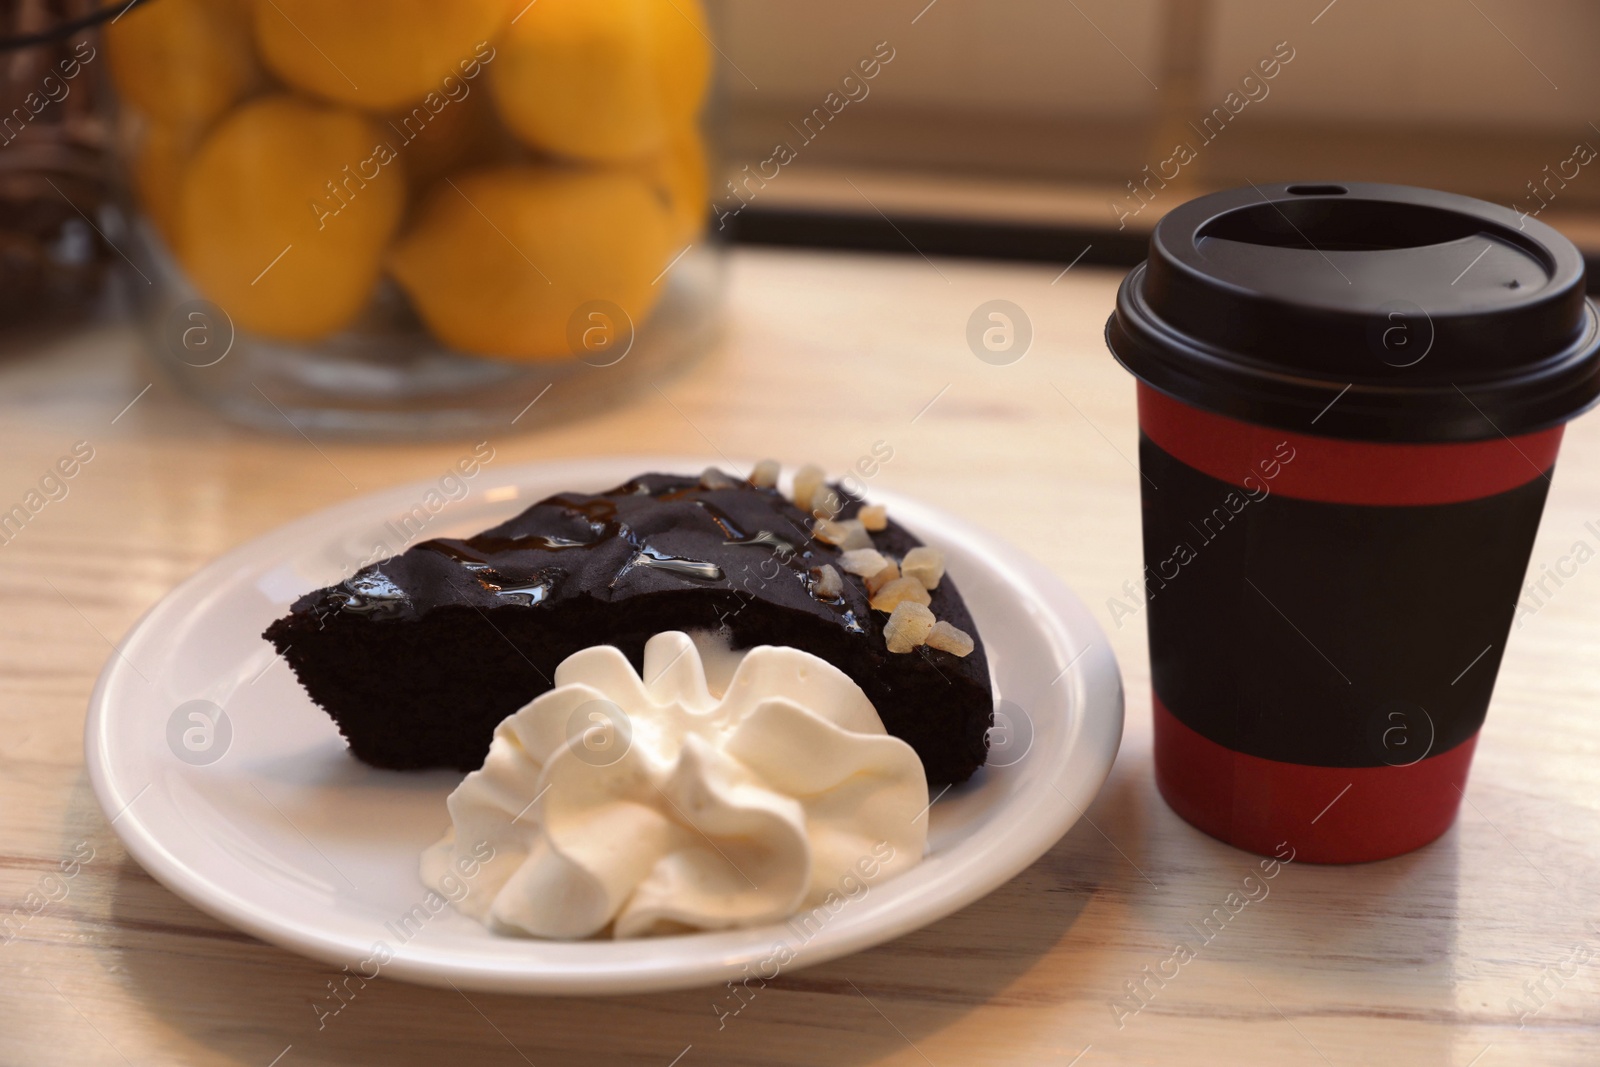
<point>1411,961</point>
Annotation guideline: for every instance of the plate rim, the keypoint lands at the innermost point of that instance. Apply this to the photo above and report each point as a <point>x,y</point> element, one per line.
<point>1095,734</point>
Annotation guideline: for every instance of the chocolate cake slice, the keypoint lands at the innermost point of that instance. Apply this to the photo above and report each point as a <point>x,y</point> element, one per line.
<point>419,657</point>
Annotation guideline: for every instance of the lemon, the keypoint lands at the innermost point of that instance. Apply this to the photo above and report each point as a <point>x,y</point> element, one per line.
<point>602,80</point>
<point>376,54</point>
<point>501,260</point>
<point>160,152</point>
<point>182,61</point>
<point>285,211</point>
<point>681,174</point>
<point>461,133</point>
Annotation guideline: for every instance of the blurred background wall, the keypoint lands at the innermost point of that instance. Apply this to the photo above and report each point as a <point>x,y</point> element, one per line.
<point>1066,101</point>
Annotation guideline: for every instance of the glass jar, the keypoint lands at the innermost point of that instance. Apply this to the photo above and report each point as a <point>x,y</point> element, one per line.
<point>393,218</point>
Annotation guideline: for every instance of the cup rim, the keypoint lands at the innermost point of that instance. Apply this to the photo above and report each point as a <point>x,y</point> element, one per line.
<point>1551,382</point>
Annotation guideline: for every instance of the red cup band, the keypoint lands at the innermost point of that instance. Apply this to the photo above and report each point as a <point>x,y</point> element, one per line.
<point>1326,814</point>
<point>1343,472</point>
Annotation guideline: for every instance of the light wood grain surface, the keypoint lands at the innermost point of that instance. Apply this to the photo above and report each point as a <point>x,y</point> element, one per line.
<point>1412,961</point>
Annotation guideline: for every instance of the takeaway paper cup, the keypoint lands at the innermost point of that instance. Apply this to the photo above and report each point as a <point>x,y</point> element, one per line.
<point>1351,398</point>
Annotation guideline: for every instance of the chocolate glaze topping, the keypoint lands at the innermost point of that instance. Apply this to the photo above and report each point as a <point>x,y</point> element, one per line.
<point>418,657</point>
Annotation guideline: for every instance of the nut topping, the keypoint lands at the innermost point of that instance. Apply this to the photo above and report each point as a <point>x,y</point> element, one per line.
<point>951,639</point>
<point>826,583</point>
<point>924,564</point>
<point>847,534</point>
<point>807,480</point>
<point>897,591</point>
<point>864,562</point>
<point>712,478</point>
<point>764,475</point>
<point>826,502</point>
<point>889,573</point>
<point>908,626</point>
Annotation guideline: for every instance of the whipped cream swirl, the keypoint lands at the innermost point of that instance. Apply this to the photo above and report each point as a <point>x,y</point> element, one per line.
<point>615,804</point>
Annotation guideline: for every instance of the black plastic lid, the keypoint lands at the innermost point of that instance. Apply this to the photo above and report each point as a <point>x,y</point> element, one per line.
<point>1429,316</point>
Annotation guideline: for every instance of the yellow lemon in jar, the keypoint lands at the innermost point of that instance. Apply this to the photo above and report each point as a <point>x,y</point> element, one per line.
<point>681,175</point>
<point>377,54</point>
<point>285,212</point>
<point>452,136</point>
<point>160,152</point>
<point>602,80</point>
<point>503,261</point>
<point>182,62</point>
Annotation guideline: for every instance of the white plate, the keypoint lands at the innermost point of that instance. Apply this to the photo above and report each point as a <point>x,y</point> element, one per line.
<point>286,836</point>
